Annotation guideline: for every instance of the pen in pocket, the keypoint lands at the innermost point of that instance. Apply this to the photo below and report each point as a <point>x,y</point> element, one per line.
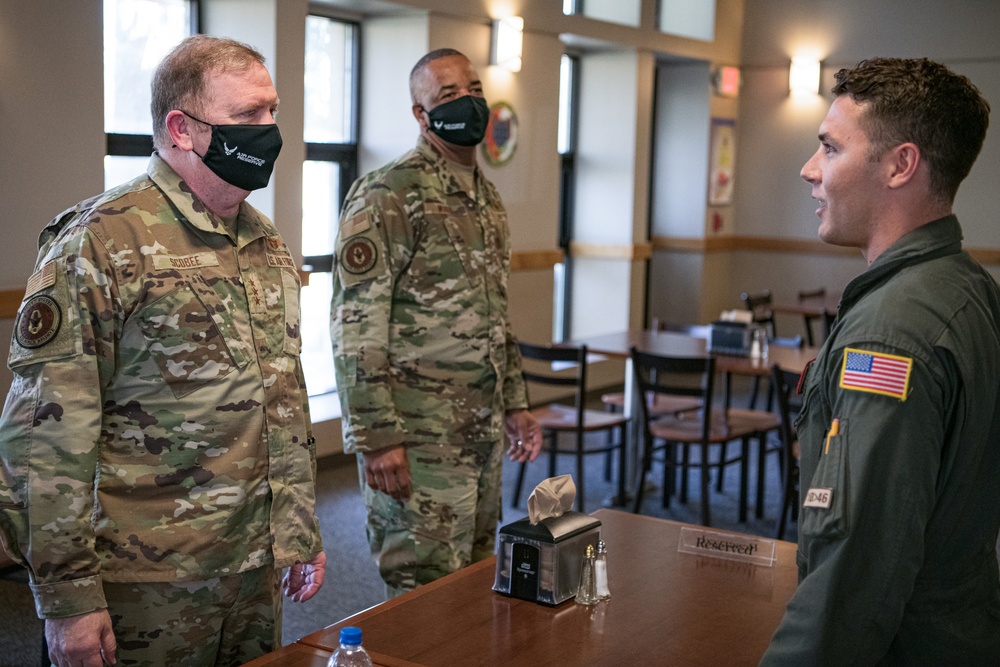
<point>834,430</point>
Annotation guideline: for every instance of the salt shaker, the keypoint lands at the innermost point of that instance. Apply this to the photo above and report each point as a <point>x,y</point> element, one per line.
<point>601,571</point>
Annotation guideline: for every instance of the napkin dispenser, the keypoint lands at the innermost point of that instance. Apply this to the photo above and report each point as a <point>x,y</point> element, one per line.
<point>541,562</point>
<point>732,338</point>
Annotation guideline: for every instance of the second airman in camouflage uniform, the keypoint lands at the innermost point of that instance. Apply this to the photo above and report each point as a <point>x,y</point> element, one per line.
<point>427,366</point>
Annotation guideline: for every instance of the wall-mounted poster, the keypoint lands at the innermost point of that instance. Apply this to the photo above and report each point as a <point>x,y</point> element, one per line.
<point>501,134</point>
<point>723,165</point>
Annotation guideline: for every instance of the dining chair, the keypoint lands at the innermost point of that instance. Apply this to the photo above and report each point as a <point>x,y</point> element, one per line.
<point>661,404</point>
<point>809,318</point>
<point>759,304</point>
<point>702,429</point>
<point>785,383</point>
<point>566,367</point>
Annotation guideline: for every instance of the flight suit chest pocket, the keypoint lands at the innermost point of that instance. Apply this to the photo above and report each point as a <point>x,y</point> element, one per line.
<point>825,503</point>
<point>184,341</point>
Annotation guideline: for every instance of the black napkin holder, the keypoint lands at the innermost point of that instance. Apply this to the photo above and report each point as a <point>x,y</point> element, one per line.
<point>541,562</point>
<point>732,338</point>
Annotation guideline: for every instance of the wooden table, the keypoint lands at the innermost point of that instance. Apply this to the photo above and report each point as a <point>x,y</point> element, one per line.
<point>823,307</point>
<point>667,608</point>
<point>294,655</point>
<point>670,344</point>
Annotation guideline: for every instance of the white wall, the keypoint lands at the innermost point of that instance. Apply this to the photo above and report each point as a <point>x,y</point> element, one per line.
<point>777,135</point>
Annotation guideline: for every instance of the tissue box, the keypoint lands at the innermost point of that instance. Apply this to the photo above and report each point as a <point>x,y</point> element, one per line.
<point>541,562</point>
<point>730,338</point>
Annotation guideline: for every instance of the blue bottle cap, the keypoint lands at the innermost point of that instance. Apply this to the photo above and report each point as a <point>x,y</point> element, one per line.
<point>350,636</point>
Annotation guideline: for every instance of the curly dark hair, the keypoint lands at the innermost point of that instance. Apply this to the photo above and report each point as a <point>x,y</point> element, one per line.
<point>921,102</point>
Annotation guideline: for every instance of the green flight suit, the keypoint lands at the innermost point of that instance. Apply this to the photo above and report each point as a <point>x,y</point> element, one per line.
<point>898,532</point>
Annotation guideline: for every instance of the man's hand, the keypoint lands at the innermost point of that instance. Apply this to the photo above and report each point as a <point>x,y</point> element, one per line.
<point>525,435</point>
<point>388,471</point>
<point>81,641</point>
<point>303,580</point>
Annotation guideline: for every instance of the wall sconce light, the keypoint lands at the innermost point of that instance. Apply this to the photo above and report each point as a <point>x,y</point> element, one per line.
<point>505,49</point>
<point>803,76</point>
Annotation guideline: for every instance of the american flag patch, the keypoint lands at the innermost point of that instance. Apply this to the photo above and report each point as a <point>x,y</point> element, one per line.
<point>878,373</point>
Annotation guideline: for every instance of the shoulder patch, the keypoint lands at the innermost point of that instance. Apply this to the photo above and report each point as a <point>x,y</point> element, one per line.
<point>42,278</point>
<point>876,373</point>
<point>38,322</point>
<point>359,255</point>
<point>355,224</point>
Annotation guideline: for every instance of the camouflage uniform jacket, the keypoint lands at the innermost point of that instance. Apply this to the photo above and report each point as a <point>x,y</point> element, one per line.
<point>422,345</point>
<point>157,427</point>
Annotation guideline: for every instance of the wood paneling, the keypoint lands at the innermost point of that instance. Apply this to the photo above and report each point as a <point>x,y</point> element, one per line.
<point>533,261</point>
<point>634,252</point>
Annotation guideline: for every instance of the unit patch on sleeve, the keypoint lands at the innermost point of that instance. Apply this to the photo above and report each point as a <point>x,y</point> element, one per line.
<point>359,255</point>
<point>38,322</point>
<point>875,372</point>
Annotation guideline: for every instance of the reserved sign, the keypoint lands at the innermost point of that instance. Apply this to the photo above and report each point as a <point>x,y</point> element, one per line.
<point>731,546</point>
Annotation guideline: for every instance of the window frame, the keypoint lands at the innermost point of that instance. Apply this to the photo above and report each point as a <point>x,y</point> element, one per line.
<point>567,198</point>
<point>118,144</point>
<point>345,153</point>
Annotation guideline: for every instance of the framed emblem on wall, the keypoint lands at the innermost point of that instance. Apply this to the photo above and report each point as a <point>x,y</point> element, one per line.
<point>501,134</point>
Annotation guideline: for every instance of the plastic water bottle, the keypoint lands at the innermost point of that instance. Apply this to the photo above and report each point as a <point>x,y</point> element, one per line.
<point>351,653</point>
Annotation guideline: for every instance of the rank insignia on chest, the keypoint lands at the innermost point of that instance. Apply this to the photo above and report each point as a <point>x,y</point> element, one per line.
<point>256,298</point>
<point>876,373</point>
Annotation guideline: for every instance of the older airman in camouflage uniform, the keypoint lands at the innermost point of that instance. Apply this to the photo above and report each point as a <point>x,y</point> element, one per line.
<point>428,371</point>
<point>156,442</point>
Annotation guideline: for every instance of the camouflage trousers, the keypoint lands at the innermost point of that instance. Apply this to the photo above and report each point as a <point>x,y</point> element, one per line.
<point>449,521</point>
<point>225,621</point>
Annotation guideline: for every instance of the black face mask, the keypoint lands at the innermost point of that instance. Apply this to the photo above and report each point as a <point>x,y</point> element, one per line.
<point>242,155</point>
<point>461,121</point>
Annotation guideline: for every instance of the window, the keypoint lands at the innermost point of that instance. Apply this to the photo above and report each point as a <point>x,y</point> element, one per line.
<point>137,35</point>
<point>330,128</point>
<point>688,18</point>
<point>566,142</point>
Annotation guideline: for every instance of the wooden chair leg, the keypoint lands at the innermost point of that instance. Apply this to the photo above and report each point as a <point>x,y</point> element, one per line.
<point>744,464</point>
<point>553,448</point>
<point>611,443</point>
<point>761,469</point>
<point>622,493</point>
<point>517,487</point>
<point>580,489</point>
<point>722,466</point>
<point>753,392</point>
<point>644,466</point>
<point>685,462</point>
<point>706,518</point>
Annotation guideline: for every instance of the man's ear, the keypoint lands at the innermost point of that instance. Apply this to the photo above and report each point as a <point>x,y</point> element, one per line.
<point>179,127</point>
<point>420,115</point>
<point>902,164</point>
